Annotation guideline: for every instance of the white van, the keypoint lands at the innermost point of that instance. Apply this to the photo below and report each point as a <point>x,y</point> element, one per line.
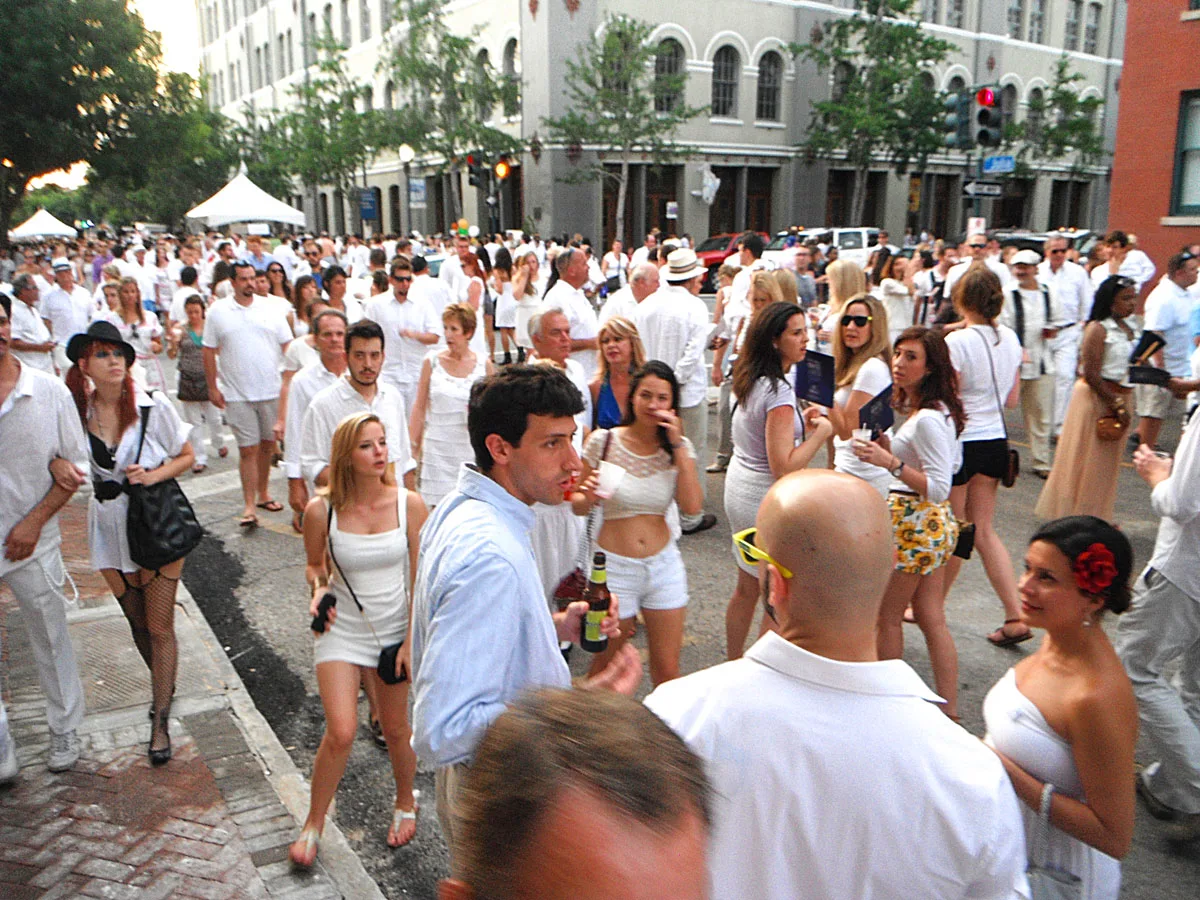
<point>853,244</point>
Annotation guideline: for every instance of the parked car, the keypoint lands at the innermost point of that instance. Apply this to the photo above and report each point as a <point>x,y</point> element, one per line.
<point>1081,239</point>
<point>854,244</point>
<point>715,250</point>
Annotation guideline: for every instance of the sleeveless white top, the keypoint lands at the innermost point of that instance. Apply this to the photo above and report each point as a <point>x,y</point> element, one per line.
<point>446,445</point>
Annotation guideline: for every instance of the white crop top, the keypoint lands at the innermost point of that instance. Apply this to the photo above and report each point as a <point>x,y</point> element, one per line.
<point>649,483</point>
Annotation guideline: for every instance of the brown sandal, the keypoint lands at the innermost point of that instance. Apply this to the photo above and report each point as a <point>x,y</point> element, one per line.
<point>1008,640</point>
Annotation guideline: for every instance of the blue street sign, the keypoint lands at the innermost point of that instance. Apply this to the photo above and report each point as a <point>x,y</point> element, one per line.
<point>367,206</point>
<point>998,165</point>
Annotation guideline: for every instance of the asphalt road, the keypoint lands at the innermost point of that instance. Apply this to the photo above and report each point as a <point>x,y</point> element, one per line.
<point>251,588</point>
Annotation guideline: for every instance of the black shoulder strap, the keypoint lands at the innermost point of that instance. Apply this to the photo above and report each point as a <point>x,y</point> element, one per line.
<point>1046,302</point>
<point>145,411</point>
<point>1020,315</point>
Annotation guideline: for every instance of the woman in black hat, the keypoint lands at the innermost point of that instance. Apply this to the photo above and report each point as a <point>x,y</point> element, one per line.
<point>112,410</point>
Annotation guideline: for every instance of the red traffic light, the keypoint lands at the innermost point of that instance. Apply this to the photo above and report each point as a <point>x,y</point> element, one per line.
<point>985,97</point>
<point>472,160</point>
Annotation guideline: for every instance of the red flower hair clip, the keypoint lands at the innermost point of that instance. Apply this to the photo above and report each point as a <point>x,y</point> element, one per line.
<point>1095,569</point>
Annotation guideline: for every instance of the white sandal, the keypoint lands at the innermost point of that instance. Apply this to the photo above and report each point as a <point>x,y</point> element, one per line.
<point>400,816</point>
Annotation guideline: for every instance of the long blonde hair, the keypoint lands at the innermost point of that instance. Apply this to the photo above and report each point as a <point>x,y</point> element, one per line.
<point>340,490</point>
<point>787,285</point>
<point>620,327</point>
<point>845,280</point>
<point>764,279</point>
<point>847,362</point>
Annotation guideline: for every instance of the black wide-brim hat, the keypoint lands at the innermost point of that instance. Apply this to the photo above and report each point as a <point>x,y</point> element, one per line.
<point>105,333</point>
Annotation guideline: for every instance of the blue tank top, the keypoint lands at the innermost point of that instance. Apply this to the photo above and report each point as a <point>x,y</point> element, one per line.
<point>608,413</point>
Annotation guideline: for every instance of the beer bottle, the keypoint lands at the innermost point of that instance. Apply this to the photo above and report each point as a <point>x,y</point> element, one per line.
<point>591,638</point>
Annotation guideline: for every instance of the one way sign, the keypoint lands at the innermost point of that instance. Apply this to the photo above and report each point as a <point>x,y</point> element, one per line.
<point>983,189</point>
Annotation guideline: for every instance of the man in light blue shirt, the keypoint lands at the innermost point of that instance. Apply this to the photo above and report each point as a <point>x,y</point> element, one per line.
<point>480,633</point>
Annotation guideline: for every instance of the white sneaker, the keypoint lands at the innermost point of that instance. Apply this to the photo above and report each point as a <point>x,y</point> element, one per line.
<point>9,767</point>
<point>64,751</point>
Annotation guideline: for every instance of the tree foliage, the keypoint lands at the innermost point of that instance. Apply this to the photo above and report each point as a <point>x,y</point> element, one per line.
<point>72,70</point>
<point>1059,123</point>
<point>446,95</point>
<point>619,103</point>
<point>882,109</point>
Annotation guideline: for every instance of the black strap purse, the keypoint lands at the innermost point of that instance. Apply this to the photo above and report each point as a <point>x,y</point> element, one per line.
<point>161,525</point>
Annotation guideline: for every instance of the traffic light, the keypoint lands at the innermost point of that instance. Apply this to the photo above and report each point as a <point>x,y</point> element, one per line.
<point>477,170</point>
<point>989,118</point>
<point>503,168</point>
<point>957,123</point>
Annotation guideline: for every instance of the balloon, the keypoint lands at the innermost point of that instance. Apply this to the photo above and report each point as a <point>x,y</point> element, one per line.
<point>473,231</point>
<point>462,224</point>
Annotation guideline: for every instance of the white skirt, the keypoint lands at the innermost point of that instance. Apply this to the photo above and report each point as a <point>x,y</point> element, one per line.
<point>744,492</point>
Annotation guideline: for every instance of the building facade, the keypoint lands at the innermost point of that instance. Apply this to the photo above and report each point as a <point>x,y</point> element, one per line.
<point>735,55</point>
<point>1156,171</point>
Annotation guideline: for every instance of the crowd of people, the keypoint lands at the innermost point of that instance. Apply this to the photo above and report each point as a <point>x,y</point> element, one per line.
<point>447,489</point>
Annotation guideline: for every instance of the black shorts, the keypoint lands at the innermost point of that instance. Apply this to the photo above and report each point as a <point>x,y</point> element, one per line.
<point>988,458</point>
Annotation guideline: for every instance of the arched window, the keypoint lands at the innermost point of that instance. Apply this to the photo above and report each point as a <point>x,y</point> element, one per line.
<point>512,102</point>
<point>843,74</point>
<point>368,99</point>
<point>385,14</point>
<point>481,67</point>
<point>955,84</point>
<point>726,64</point>
<point>926,79</point>
<point>1008,96</point>
<point>1036,112</point>
<point>668,64</point>
<point>389,95</point>
<point>770,81</point>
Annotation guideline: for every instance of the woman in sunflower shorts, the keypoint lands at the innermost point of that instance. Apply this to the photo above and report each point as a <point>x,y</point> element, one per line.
<point>922,456</point>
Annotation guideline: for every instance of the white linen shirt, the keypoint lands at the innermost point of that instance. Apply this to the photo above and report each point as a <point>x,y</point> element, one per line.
<point>28,326</point>
<point>68,314</point>
<point>674,326</point>
<point>1037,358</point>
<point>481,634</point>
<point>580,316</point>
<point>957,271</point>
<point>432,290</point>
<point>1177,500</point>
<point>619,303</point>
<point>306,384</point>
<point>250,341</point>
<point>1071,285</point>
<point>402,356</point>
<point>834,780</point>
<point>1168,311</point>
<point>38,422</point>
<point>332,404</point>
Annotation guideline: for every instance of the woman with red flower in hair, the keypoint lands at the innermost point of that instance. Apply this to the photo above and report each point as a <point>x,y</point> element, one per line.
<point>1064,721</point>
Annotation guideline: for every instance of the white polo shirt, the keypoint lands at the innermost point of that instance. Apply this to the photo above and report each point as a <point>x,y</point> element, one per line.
<point>250,341</point>
<point>575,305</point>
<point>402,356</point>
<point>38,421</point>
<point>306,384</point>
<point>332,404</point>
<point>68,313</point>
<point>837,780</point>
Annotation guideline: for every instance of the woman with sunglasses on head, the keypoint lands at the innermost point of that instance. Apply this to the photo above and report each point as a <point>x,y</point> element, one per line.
<point>645,568</point>
<point>987,357</point>
<point>621,354</point>
<point>860,352</point>
<point>361,539</point>
<point>770,439</point>
<point>1064,720</point>
<point>1083,479</point>
<point>142,330</point>
<point>125,451</point>
<point>919,460</point>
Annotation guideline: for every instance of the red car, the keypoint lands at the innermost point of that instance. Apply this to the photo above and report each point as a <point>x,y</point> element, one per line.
<point>715,250</point>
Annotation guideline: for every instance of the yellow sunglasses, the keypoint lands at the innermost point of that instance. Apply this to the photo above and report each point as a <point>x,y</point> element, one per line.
<point>743,542</point>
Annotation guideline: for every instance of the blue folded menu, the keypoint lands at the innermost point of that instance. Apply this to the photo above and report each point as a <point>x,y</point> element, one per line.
<point>814,378</point>
<point>877,414</point>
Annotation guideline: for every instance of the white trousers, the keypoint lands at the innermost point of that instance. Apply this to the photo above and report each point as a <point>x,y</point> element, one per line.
<point>1037,395</point>
<point>1162,626</point>
<point>1064,350</point>
<point>695,427</point>
<point>37,584</point>
<point>198,413</point>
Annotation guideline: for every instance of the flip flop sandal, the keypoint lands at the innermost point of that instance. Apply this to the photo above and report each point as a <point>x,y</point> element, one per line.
<point>248,522</point>
<point>1008,640</point>
<point>400,816</point>
<point>270,505</point>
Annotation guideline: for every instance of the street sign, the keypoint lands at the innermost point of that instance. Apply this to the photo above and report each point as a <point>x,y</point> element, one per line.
<point>999,165</point>
<point>416,193</point>
<point>672,209</point>
<point>367,206</point>
<point>977,225</point>
<point>983,189</point>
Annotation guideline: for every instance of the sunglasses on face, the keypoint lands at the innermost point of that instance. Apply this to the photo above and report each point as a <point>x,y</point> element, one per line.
<point>743,542</point>
<point>1056,252</point>
<point>977,246</point>
<point>859,321</point>
<point>402,278</point>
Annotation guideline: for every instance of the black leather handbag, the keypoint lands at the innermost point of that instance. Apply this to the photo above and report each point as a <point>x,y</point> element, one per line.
<point>161,525</point>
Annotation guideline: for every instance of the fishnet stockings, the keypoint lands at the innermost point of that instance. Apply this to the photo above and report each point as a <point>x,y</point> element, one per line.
<point>133,604</point>
<point>159,593</point>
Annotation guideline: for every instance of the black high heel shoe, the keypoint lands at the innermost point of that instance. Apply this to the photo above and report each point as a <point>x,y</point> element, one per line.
<point>162,755</point>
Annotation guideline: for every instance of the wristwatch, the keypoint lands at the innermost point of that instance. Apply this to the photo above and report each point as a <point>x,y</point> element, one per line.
<point>895,473</point>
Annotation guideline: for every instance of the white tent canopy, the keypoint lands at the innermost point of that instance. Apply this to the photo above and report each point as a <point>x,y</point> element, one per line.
<point>244,201</point>
<point>41,225</point>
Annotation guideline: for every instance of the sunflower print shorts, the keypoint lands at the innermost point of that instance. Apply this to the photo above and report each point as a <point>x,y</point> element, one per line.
<point>925,533</point>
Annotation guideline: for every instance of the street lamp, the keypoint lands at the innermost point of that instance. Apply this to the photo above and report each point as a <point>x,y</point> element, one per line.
<point>406,157</point>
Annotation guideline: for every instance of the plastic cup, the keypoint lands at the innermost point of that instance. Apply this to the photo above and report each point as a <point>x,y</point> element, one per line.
<point>862,435</point>
<point>610,477</point>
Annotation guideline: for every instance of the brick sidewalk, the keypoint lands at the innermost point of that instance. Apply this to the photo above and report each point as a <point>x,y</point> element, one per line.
<point>211,823</point>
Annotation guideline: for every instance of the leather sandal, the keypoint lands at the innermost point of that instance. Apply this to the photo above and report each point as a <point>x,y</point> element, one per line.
<point>1008,640</point>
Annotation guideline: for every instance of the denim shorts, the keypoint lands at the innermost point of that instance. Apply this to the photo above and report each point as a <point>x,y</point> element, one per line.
<point>655,582</point>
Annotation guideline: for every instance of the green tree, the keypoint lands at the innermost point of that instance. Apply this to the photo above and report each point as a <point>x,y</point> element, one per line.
<point>882,108</point>
<point>174,152</point>
<point>618,102</point>
<point>71,71</point>
<point>448,93</point>
<point>262,146</point>
<point>1059,124</point>
<point>64,204</point>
